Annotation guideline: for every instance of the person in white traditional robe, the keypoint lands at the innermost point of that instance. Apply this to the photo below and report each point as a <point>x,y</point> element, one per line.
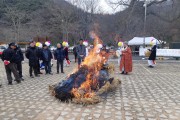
<point>119,52</point>
<point>85,43</point>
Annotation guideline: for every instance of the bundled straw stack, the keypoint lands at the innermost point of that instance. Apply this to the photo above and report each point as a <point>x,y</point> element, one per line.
<point>71,90</point>
<point>147,53</point>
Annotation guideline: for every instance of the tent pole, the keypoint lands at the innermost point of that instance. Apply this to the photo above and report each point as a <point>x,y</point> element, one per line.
<point>145,10</point>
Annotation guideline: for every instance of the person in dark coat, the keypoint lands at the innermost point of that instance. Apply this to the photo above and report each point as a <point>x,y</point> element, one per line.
<point>59,55</point>
<point>46,57</point>
<point>8,57</point>
<point>19,57</point>
<point>81,52</point>
<point>32,55</point>
<point>152,57</point>
<point>75,53</point>
<point>39,50</point>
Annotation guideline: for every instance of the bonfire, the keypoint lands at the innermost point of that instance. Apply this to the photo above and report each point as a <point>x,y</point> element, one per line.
<point>86,84</point>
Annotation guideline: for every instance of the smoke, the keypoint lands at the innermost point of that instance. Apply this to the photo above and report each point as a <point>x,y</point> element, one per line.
<point>95,37</point>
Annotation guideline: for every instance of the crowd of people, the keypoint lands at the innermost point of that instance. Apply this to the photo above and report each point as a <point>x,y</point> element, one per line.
<point>13,58</point>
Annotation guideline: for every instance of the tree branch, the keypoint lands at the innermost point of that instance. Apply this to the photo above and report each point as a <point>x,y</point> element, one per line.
<point>164,19</point>
<point>155,2</point>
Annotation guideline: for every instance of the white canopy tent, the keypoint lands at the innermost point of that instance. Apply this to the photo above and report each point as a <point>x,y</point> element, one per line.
<point>140,41</point>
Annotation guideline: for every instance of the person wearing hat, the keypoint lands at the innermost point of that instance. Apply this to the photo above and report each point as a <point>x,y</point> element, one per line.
<point>19,57</point>
<point>39,49</point>
<point>81,52</point>
<point>46,58</point>
<point>8,57</point>
<point>126,60</point>
<point>32,56</point>
<point>119,52</point>
<point>152,57</point>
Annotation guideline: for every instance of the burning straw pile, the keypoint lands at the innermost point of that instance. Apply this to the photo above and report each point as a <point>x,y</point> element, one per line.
<point>93,79</point>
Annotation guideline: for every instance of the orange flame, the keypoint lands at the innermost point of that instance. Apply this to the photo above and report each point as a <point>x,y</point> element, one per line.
<point>94,62</point>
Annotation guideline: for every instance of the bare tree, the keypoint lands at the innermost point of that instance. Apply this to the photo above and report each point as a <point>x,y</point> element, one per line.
<point>64,19</point>
<point>16,17</point>
<point>164,10</point>
<point>86,18</point>
<point>91,6</point>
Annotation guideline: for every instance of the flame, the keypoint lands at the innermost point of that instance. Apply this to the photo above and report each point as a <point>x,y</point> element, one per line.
<point>94,62</point>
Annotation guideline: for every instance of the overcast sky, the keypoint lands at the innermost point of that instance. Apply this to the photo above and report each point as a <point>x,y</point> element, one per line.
<point>105,7</point>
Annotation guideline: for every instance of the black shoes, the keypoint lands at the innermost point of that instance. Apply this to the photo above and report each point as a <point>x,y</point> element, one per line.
<point>31,76</point>
<point>125,73</point>
<point>22,79</point>
<point>58,72</point>
<point>122,72</point>
<point>18,81</point>
<point>10,83</point>
<point>150,66</point>
<point>51,73</point>
<point>37,75</point>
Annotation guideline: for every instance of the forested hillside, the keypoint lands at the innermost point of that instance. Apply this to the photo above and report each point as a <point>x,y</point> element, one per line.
<point>21,20</point>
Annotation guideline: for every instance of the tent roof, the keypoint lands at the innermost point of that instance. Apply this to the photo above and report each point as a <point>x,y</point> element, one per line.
<point>140,41</point>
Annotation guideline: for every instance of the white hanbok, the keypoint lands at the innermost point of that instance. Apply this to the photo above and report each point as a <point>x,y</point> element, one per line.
<point>119,53</point>
<point>87,52</point>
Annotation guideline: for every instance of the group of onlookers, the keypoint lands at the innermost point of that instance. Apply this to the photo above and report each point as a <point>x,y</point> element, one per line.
<point>13,57</point>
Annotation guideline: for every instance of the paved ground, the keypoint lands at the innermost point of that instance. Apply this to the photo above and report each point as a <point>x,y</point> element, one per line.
<point>145,94</point>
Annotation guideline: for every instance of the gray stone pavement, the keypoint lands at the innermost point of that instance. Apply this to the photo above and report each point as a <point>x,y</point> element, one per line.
<point>145,94</point>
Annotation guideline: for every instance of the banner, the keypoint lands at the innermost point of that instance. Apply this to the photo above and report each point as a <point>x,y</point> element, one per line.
<point>162,52</point>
